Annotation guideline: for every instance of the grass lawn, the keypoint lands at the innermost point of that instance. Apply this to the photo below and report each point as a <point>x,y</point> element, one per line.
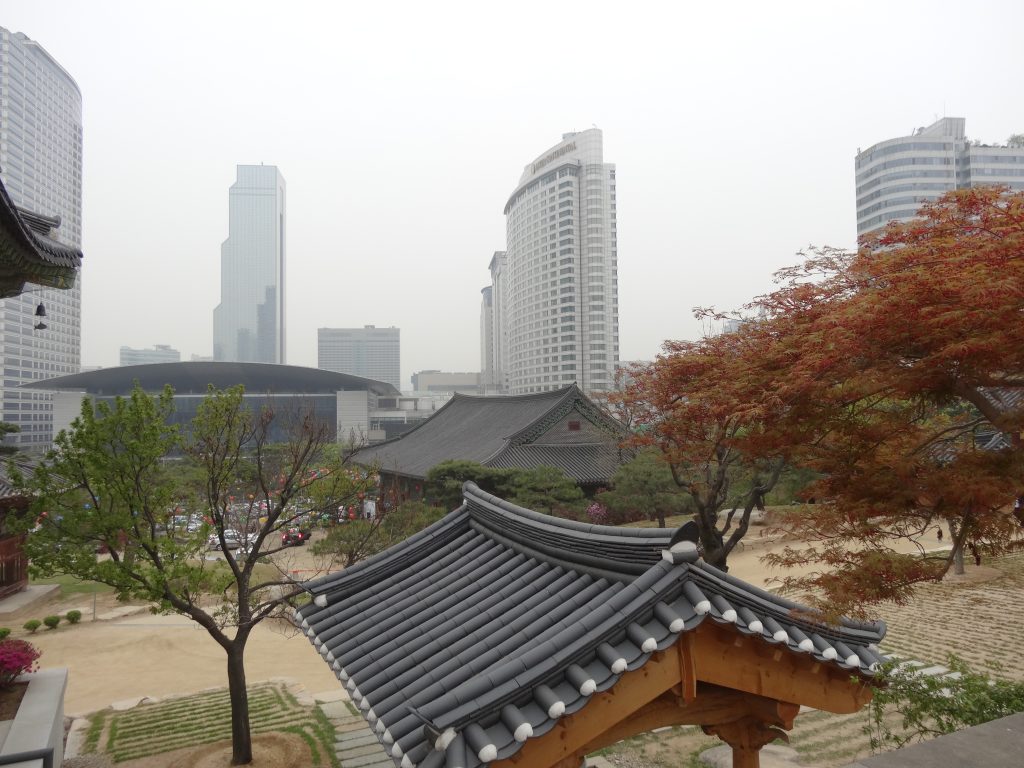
<point>69,585</point>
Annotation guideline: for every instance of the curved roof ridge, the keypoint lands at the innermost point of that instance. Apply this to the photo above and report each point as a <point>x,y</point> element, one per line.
<point>472,493</point>
<point>459,397</point>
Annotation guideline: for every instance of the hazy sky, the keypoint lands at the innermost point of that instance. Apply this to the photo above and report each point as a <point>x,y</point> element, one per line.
<point>402,128</point>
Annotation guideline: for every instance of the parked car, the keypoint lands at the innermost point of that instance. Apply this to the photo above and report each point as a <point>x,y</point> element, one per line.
<point>232,540</point>
<point>294,537</point>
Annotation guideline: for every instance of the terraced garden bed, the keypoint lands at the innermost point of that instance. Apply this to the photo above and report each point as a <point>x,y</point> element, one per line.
<point>196,720</point>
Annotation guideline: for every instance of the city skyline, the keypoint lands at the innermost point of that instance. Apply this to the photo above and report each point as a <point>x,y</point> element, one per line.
<point>734,132</point>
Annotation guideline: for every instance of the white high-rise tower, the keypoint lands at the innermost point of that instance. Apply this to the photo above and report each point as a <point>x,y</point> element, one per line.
<point>560,313</point>
<point>41,166</point>
<point>249,322</point>
<point>897,176</point>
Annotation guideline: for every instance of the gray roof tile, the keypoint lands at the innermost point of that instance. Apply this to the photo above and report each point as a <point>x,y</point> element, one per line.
<point>500,431</point>
<point>478,633</point>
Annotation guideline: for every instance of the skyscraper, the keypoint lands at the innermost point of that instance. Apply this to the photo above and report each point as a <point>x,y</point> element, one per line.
<point>493,339</point>
<point>249,322</point>
<point>897,176</point>
<point>559,296</point>
<point>41,166</point>
<point>370,352</point>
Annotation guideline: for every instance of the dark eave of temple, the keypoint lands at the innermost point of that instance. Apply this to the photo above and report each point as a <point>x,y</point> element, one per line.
<point>483,630</point>
<point>28,254</point>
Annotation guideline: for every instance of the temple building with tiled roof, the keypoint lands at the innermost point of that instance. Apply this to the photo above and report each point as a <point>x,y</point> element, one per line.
<point>561,428</point>
<point>500,636</point>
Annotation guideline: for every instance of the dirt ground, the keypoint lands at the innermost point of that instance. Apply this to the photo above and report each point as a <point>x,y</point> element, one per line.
<point>143,655</point>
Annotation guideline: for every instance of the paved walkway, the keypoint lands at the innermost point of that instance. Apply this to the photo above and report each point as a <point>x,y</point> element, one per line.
<point>355,744</point>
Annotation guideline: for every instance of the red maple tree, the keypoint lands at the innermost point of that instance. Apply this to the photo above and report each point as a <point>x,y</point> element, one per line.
<point>896,373</point>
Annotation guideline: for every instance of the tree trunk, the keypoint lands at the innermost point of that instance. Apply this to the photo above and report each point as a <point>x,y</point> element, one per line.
<point>241,739</point>
<point>958,559</point>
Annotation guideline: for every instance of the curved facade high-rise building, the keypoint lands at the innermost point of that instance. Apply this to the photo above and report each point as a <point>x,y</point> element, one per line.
<point>559,292</point>
<point>896,177</point>
<point>249,322</point>
<point>41,166</point>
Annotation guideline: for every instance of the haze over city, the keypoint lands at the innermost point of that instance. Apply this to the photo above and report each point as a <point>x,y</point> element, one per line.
<point>402,129</point>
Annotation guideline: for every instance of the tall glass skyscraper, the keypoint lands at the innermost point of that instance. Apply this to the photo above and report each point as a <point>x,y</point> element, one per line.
<point>897,176</point>
<point>249,322</point>
<point>41,166</point>
<point>559,293</point>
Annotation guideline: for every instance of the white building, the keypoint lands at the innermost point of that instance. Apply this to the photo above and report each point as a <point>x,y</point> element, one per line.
<point>494,329</point>
<point>160,353</point>
<point>446,382</point>
<point>559,303</point>
<point>41,166</point>
<point>896,177</point>
<point>249,322</point>
<point>370,352</point>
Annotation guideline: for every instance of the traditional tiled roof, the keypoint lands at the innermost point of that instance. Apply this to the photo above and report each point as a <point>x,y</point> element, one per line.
<point>584,463</point>
<point>27,254</point>
<point>480,632</point>
<point>503,431</point>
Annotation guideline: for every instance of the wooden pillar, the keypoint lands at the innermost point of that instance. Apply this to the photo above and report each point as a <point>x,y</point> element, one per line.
<point>746,737</point>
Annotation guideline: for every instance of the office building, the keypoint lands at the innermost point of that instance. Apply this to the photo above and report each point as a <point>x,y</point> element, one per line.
<point>486,339</point>
<point>249,322</point>
<point>41,167</point>
<point>445,382</point>
<point>160,353</point>
<point>558,291</point>
<point>370,352</point>
<point>493,337</point>
<point>896,177</point>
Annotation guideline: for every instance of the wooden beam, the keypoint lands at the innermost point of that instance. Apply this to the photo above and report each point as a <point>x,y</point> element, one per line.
<point>713,705</point>
<point>738,687</point>
<point>746,737</point>
<point>751,664</point>
<point>688,667</point>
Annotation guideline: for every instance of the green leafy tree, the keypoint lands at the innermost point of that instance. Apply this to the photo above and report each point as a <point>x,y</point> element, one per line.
<point>644,488</point>
<point>546,489</point>
<point>444,481</point>
<point>108,484</point>
<point>925,706</point>
<point>6,429</point>
<point>355,540</point>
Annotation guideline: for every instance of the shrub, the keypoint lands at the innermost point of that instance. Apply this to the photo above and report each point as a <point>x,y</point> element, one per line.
<point>16,657</point>
<point>931,705</point>
<point>73,617</point>
<point>51,622</point>
<point>32,625</point>
<point>4,632</point>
